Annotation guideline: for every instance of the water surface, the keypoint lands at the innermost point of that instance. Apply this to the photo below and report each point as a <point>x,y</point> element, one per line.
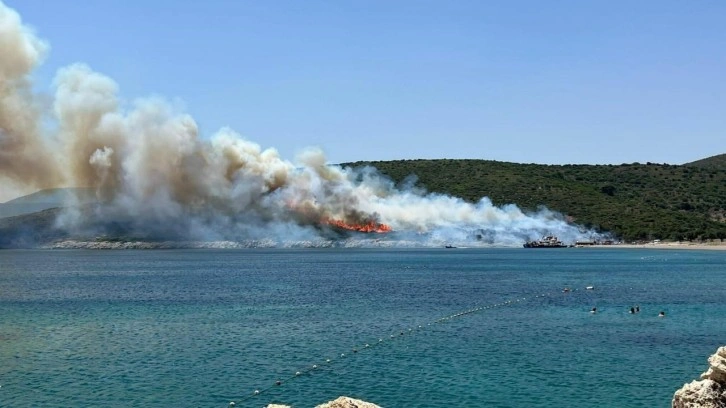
<point>201,328</point>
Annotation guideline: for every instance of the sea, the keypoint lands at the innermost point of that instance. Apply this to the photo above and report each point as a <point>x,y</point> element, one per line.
<point>436,327</point>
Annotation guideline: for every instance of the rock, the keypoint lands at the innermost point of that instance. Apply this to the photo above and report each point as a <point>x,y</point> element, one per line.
<point>341,402</point>
<point>710,392</point>
<point>700,394</point>
<point>346,402</point>
<point>717,369</point>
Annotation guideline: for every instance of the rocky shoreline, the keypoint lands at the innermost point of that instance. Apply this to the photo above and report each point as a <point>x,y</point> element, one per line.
<point>320,243</point>
<point>710,391</point>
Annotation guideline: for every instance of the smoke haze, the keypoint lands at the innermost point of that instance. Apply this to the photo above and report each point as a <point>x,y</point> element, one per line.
<point>155,177</point>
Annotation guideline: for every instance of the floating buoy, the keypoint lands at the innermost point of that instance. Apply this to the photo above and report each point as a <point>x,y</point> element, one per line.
<point>420,326</point>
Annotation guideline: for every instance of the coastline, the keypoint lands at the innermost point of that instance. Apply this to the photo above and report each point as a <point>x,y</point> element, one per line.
<point>718,246</point>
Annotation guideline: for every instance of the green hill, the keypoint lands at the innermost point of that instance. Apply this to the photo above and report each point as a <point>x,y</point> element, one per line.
<point>634,201</point>
<point>713,162</point>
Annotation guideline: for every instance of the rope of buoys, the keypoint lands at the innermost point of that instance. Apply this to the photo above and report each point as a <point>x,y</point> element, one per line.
<point>398,334</point>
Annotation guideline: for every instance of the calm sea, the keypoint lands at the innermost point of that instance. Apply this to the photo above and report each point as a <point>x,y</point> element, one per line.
<point>201,328</point>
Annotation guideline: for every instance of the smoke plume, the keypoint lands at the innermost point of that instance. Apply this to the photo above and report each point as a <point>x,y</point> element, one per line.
<point>155,177</point>
<point>25,157</point>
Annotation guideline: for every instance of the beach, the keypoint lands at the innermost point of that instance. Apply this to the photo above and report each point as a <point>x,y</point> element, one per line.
<point>707,245</point>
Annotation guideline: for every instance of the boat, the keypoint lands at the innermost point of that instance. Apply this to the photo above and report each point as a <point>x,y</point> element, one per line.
<point>548,241</point>
<point>449,246</point>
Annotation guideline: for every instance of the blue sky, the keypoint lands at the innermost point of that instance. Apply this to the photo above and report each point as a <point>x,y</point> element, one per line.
<point>524,81</point>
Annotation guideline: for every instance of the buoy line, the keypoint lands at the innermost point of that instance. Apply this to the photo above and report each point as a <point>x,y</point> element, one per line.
<point>382,340</point>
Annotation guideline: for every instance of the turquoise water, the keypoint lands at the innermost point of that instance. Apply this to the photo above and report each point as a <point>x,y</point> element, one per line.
<point>201,328</point>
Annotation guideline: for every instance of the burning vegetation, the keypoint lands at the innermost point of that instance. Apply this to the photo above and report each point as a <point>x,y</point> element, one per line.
<point>370,226</point>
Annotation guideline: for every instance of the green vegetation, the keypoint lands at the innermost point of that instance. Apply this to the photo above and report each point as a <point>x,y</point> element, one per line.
<point>633,201</point>
<point>713,162</point>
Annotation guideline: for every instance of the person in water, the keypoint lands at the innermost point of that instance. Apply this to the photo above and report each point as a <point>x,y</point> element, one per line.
<point>637,308</point>
<point>661,314</point>
<point>594,310</point>
<point>632,310</point>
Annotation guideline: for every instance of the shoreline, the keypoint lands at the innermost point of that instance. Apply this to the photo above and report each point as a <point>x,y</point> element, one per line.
<point>150,245</point>
<point>717,246</point>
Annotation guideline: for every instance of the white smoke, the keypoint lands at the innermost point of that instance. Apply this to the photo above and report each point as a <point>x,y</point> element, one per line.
<point>155,177</point>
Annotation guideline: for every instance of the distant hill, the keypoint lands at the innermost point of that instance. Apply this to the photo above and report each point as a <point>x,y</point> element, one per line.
<point>634,201</point>
<point>45,199</point>
<point>29,230</point>
<point>714,162</point>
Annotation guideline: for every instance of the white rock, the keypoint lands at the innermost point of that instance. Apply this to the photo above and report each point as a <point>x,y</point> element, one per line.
<point>710,392</point>
<point>346,402</point>
<point>700,394</point>
<point>717,369</point>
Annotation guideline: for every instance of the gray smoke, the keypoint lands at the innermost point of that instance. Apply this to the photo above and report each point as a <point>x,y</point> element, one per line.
<point>154,177</point>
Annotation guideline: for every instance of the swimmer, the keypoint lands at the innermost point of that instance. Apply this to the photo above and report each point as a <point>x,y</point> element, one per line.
<point>594,310</point>
<point>566,289</point>
<point>661,314</point>
<point>632,310</point>
<point>637,308</point>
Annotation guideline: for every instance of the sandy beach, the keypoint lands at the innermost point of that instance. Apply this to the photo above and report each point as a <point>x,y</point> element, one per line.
<point>711,245</point>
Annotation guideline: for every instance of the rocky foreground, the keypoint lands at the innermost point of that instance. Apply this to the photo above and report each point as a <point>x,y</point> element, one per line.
<point>710,391</point>
<point>341,402</point>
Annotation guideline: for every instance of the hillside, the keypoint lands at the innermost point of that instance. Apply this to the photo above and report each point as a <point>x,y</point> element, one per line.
<point>28,230</point>
<point>713,162</point>
<point>45,199</point>
<point>634,201</point>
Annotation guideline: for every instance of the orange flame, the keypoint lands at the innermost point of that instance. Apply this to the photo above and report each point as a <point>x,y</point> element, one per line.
<point>370,226</point>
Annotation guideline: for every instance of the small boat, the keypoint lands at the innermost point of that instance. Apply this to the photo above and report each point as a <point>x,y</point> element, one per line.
<point>449,246</point>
